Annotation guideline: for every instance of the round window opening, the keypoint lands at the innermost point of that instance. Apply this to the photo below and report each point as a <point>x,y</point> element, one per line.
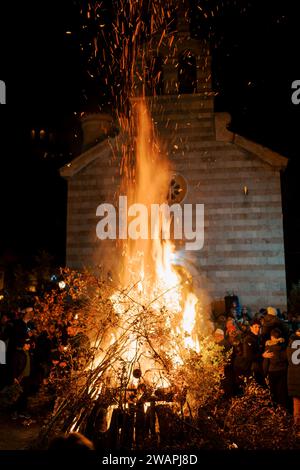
<point>177,189</point>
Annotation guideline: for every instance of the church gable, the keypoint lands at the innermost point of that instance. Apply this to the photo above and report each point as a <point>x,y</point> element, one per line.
<point>237,180</point>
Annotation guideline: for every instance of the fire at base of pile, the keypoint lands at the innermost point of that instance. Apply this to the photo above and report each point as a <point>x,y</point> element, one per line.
<point>145,378</point>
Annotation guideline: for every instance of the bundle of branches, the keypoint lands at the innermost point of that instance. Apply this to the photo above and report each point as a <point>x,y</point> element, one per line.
<point>132,366</point>
<point>81,299</point>
<point>254,422</point>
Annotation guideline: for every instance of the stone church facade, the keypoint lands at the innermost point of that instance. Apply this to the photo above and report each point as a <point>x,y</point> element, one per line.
<point>237,180</point>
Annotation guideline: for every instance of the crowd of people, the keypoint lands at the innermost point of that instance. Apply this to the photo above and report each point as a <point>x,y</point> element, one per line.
<point>266,347</point>
<point>31,358</point>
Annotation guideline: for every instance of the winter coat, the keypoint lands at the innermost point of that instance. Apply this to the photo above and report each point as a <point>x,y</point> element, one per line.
<point>279,360</point>
<point>293,368</point>
<point>250,359</point>
<point>270,322</point>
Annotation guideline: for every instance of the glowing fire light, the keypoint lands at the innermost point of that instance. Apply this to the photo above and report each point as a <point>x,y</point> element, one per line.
<point>188,322</point>
<point>149,271</point>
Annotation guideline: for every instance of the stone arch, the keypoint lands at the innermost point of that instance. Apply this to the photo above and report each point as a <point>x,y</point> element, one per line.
<point>187,72</point>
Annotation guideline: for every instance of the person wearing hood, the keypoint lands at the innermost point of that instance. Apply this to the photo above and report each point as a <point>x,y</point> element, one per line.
<point>275,366</point>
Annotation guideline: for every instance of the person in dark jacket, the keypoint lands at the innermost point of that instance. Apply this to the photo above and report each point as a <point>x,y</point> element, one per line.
<point>270,322</point>
<point>275,367</point>
<point>21,370</point>
<point>249,362</point>
<point>18,333</point>
<point>293,355</point>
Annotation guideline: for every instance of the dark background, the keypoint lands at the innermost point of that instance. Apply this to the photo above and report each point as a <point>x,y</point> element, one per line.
<point>255,60</point>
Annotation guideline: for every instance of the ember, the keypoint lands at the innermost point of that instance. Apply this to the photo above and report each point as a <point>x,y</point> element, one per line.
<point>153,361</point>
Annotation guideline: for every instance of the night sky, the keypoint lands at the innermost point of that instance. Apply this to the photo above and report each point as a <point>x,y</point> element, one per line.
<point>255,51</point>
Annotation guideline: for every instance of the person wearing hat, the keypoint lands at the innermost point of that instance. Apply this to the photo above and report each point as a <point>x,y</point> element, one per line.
<point>219,336</point>
<point>270,322</point>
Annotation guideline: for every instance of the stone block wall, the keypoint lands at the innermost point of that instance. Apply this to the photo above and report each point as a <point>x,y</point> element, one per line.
<point>244,247</point>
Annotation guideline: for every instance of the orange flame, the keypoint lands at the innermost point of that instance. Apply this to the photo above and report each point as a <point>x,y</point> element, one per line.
<point>149,271</point>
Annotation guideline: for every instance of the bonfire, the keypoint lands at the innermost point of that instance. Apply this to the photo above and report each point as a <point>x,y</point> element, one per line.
<point>151,350</point>
<point>152,375</point>
<point>152,363</point>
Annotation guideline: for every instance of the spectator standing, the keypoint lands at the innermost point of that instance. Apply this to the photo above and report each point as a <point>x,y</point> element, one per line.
<point>221,322</point>
<point>244,320</point>
<point>19,332</point>
<point>275,366</point>
<point>270,322</point>
<point>21,370</point>
<point>249,362</point>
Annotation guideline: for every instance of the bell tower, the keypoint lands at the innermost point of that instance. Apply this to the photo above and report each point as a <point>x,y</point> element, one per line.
<point>185,61</point>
